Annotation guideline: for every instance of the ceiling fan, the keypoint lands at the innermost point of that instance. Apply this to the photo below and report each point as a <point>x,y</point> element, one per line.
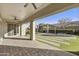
<point>26,4</point>
<point>15,18</point>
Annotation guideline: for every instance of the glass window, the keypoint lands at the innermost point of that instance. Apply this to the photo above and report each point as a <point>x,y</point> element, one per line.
<point>13,29</point>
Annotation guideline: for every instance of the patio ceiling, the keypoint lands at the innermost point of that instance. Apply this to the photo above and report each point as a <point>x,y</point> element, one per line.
<point>25,12</point>
<point>15,12</point>
<point>52,9</point>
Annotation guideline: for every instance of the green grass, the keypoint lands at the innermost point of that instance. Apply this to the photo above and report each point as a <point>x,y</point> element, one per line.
<point>74,45</point>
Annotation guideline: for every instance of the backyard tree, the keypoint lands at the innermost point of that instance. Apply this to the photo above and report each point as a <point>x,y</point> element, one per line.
<point>64,21</point>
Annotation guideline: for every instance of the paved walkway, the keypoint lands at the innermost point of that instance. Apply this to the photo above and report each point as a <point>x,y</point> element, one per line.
<point>30,48</point>
<point>26,43</point>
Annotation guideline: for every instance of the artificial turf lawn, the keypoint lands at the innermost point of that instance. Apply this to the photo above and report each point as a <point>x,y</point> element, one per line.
<point>73,46</point>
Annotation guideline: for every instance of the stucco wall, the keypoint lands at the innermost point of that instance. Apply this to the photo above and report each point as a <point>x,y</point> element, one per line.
<point>4,33</point>
<point>3,29</point>
<point>24,28</point>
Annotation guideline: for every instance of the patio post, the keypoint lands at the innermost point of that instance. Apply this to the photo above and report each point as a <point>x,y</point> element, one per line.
<point>47,28</point>
<point>32,30</point>
<point>20,29</point>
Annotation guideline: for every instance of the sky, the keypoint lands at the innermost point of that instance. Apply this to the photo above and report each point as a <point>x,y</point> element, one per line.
<point>72,14</point>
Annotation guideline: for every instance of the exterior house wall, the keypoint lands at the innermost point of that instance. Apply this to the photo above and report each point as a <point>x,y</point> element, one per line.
<point>23,29</point>
<point>3,29</point>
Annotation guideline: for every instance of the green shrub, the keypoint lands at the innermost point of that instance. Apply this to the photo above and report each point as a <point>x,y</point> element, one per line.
<point>76,32</point>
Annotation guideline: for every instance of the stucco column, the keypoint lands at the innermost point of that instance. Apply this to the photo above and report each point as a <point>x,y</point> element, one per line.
<point>32,30</point>
<point>47,29</point>
<point>19,29</point>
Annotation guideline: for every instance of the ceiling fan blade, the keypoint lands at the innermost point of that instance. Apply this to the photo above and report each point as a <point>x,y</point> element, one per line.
<point>26,4</point>
<point>15,18</point>
<point>34,5</point>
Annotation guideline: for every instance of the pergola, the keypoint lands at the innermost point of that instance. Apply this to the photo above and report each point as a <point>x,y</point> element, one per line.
<point>28,12</point>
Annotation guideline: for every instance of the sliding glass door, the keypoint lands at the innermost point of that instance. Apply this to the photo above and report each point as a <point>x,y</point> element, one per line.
<point>13,29</point>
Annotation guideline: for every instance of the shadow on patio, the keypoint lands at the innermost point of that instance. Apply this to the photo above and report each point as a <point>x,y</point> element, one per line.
<point>15,47</point>
<point>6,50</point>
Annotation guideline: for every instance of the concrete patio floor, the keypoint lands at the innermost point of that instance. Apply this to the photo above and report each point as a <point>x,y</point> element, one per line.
<point>17,47</point>
<point>26,43</point>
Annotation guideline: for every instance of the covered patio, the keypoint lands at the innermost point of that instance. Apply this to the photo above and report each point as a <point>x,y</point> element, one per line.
<point>15,15</point>
<point>11,47</point>
<point>11,22</point>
